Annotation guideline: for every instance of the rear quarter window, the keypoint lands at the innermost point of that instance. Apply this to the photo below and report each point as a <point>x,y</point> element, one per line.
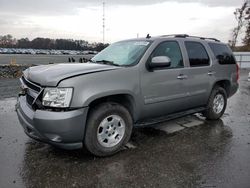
<point>222,53</point>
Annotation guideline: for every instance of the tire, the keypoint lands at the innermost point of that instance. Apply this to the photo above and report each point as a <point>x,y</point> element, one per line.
<point>109,128</point>
<point>215,110</point>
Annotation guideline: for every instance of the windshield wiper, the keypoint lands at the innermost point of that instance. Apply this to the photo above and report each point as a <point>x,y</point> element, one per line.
<point>106,62</point>
<point>92,61</point>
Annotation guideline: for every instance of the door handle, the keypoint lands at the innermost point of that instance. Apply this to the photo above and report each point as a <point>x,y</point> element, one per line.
<point>182,77</point>
<point>211,73</point>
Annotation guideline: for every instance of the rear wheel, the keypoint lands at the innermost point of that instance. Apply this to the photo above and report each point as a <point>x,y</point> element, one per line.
<point>109,127</point>
<point>216,104</point>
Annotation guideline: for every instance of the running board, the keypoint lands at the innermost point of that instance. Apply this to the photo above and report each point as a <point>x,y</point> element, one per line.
<point>168,117</point>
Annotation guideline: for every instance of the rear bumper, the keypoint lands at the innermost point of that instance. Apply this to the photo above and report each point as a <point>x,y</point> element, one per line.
<point>62,129</point>
<point>233,89</point>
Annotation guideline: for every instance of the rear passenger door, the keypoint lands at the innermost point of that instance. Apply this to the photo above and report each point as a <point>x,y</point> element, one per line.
<point>200,74</point>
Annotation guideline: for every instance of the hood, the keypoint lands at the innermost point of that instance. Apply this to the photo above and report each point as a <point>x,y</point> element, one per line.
<point>50,75</point>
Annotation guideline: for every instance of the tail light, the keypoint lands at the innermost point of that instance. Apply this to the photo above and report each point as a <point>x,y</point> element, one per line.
<point>238,72</point>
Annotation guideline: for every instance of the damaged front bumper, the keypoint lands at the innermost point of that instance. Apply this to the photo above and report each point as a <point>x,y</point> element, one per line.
<point>64,129</point>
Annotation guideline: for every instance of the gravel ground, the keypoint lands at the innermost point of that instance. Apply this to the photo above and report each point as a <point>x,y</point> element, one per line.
<point>9,87</point>
<point>39,59</point>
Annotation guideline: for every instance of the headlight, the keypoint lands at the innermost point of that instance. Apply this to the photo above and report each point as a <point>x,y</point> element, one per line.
<point>57,97</point>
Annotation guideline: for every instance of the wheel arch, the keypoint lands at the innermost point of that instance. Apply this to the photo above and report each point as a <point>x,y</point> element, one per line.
<point>125,99</point>
<point>226,84</point>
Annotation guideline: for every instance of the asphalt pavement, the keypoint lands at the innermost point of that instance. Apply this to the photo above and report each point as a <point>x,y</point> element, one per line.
<point>186,152</point>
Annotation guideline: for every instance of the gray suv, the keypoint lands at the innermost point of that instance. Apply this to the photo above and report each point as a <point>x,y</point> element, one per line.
<point>138,82</point>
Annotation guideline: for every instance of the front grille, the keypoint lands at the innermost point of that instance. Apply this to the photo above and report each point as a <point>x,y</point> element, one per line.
<point>32,92</point>
<point>29,99</point>
<point>31,85</point>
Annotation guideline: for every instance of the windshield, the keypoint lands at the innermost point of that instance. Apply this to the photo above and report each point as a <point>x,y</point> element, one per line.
<point>125,53</point>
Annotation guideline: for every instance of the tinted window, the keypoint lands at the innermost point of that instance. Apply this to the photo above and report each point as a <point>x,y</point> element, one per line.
<point>170,49</point>
<point>197,54</point>
<point>222,53</point>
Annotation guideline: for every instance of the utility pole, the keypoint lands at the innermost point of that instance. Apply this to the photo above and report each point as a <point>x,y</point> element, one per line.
<point>103,23</point>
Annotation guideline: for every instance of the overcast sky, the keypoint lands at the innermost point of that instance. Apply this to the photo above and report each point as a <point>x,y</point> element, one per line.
<point>82,19</point>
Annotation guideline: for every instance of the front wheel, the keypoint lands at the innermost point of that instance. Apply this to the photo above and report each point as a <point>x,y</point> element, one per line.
<point>216,104</point>
<point>109,127</point>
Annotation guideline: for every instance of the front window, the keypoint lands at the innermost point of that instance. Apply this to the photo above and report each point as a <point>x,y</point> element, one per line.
<point>170,49</point>
<point>125,53</point>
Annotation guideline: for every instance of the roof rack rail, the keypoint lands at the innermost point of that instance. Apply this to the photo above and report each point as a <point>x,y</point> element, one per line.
<point>187,36</point>
<point>213,39</point>
<point>204,38</point>
<point>175,35</point>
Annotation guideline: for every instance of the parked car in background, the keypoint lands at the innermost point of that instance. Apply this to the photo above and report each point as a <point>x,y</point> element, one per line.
<point>44,51</point>
<point>132,82</point>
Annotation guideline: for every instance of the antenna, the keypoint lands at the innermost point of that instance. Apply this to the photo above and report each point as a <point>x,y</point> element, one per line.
<point>148,36</point>
<point>103,23</point>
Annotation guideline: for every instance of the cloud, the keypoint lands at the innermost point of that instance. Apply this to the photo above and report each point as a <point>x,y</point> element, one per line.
<point>224,3</point>
<point>57,7</point>
<point>44,7</point>
<point>124,19</point>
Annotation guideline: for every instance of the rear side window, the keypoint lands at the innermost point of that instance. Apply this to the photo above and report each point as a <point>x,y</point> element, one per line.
<point>197,54</point>
<point>222,53</point>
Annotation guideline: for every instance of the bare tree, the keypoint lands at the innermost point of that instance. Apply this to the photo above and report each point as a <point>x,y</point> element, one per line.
<point>246,40</point>
<point>241,15</point>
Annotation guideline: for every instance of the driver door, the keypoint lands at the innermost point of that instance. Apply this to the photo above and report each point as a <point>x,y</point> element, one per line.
<point>163,89</point>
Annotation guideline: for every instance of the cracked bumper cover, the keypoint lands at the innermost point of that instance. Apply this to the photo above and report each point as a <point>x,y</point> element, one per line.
<point>61,129</point>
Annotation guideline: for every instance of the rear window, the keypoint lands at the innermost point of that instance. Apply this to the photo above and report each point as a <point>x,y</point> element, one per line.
<point>222,53</point>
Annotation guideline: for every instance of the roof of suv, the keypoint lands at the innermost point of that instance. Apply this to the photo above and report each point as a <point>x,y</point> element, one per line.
<point>187,36</point>
<point>183,36</point>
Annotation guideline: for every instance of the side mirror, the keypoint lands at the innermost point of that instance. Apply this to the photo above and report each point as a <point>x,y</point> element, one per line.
<point>160,61</point>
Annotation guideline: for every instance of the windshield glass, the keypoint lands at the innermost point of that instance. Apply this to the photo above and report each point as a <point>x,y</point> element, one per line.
<point>123,53</point>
